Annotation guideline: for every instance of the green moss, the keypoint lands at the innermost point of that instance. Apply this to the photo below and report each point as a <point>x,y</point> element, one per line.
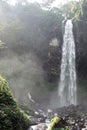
<point>54,121</point>
<point>11,116</point>
<point>57,124</point>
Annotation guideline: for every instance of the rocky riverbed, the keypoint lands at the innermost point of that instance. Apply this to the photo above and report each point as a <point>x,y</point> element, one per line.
<point>75,116</point>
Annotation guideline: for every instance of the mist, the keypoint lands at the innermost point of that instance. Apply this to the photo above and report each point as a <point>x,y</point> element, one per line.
<point>30,57</point>
<point>24,74</point>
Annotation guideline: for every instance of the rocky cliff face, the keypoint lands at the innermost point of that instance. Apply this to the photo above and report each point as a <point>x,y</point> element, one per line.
<point>80,33</point>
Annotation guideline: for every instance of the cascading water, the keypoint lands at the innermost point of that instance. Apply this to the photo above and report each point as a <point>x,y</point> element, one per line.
<point>67,91</point>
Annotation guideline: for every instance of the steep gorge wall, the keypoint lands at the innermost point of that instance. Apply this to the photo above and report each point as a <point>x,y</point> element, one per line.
<point>80,34</point>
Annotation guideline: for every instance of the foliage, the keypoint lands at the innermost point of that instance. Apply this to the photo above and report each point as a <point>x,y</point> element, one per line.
<point>76,9</point>
<point>11,116</point>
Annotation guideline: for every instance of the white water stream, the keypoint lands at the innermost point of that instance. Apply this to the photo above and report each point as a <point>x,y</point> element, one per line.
<point>67,91</point>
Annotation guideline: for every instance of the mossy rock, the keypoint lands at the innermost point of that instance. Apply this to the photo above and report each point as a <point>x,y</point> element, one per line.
<point>57,124</point>
<point>54,121</point>
<point>11,116</point>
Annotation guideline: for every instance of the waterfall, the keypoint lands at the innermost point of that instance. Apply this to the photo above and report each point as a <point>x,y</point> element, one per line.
<point>67,90</point>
